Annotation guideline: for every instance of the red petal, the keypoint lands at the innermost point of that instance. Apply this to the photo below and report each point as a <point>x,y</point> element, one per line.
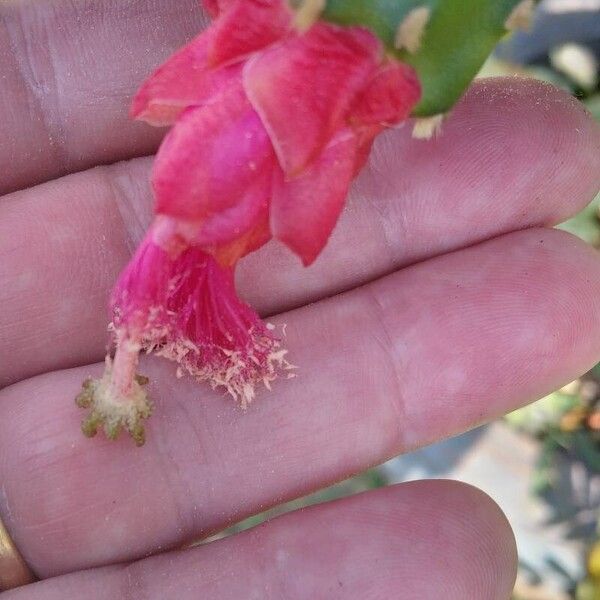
<point>302,88</point>
<point>224,226</point>
<point>247,26</point>
<point>389,97</point>
<point>365,136</point>
<point>183,80</point>
<point>252,240</point>
<point>210,158</point>
<point>211,7</point>
<point>304,210</point>
<point>215,7</point>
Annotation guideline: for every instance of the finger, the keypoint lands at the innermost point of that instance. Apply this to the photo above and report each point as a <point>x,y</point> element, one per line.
<point>426,540</point>
<point>502,163</point>
<point>68,76</point>
<point>416,356</point>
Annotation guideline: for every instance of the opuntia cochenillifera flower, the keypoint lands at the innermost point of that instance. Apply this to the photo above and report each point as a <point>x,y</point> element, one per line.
<point>269,127</point>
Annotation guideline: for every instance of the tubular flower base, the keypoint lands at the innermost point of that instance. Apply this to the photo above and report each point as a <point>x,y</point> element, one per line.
<point>270,126</point>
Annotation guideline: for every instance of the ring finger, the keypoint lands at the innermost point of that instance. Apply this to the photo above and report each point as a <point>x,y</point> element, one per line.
<point>426,540</point>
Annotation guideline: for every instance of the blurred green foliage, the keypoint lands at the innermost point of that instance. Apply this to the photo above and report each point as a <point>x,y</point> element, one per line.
<point>567,422</point>
<point>586,224</point>
<point>368,480</point>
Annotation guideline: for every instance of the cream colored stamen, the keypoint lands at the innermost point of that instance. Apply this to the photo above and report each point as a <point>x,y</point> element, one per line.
<point>410,32</point>
<point>427,127</point>
<point>308,14</point>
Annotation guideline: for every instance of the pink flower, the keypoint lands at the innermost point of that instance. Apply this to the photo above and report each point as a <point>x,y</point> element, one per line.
<point>185,308</point>
<point>270,126</point>
<point>268,119</point>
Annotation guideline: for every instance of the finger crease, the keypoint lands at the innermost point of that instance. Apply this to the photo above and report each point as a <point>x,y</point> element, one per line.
<point>36,62</point>
<point>381,335</point>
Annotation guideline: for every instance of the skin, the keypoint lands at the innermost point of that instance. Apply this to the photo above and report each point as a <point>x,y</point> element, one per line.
<point>442,301</point>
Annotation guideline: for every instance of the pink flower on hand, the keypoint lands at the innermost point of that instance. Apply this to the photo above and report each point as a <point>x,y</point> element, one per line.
<point>269,127</point>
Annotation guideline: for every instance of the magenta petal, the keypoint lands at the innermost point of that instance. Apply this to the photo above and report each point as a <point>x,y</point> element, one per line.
<point>225,226</point>
<point>215,7</point>
<point>389,97</point>
<point>303,87</point>
<point>210,158</point>
<point>173,235</point>
<point>230,254</point>
<point>183,80</point>
<point>305,209</point>
<point>212,7</point>
<point>246,26</point>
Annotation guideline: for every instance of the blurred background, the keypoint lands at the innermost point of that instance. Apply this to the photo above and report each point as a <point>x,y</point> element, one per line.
<point>541,464</point>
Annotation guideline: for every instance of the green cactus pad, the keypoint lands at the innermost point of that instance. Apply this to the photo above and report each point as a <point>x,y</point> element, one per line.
<point>458,37</point>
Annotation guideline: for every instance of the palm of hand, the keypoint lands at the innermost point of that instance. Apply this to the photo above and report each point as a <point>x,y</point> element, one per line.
<point>440,303</point>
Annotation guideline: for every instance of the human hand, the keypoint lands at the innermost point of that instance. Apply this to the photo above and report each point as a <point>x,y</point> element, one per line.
<point>439,304</point>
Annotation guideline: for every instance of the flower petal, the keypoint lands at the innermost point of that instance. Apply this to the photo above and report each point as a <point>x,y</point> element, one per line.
<point>225,226</point>
<point>215,7</point>
<point>210,158</point>
<point>365,136</point>
<point>304,210</point>
<point>183,80</point>
<point>221,227</point>
<point>389,97</point>
<point>246,26</point>
<point>258,236</point>
<point>303,87</point>
<point>212,7</point>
